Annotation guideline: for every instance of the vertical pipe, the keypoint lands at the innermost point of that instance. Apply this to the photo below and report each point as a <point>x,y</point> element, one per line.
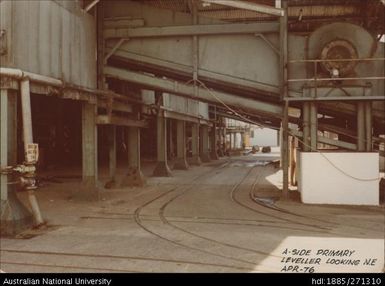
<point>368,125</point>
<point>313,126</point>
<point>306,126</point>
<point>284,93</point>
<point>4,126</point>
<point>361,126</point>
<point>28,139</point>
<point>292,160</point>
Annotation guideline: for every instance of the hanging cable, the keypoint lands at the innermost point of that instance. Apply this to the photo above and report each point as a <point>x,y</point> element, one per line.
<point>261,125</point>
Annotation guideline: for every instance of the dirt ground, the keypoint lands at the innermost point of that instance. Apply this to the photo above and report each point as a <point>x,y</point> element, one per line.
<point>223,216</point>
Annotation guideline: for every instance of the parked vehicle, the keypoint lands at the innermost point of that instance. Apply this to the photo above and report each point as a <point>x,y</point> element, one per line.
<point>266,149</point>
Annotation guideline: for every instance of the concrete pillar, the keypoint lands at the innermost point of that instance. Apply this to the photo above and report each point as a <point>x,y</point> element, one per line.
<point>306,126</point>
<point>170,132</point>
<point>181,160</point>
<point>134,177</point>
<point>361,126</point>
<point>313,126</point>
<point>195,159</point>
<point>112,157</point>
<point>14,216</point>
<point>222,138</point>
<point>89,148</point>
<point>243,140</point>
<point>213,143</point>
<point>204,143</point>
<point>368,126</point>
<point>161,169</point>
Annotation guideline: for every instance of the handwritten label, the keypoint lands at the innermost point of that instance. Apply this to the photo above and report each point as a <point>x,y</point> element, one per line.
<point>319,254</point>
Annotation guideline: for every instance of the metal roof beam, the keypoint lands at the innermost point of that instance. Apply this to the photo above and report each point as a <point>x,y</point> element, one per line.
<point>191,30</point>
<point>249,6</point>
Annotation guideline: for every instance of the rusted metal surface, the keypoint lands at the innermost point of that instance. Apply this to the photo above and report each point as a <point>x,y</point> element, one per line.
<point>339,49</point>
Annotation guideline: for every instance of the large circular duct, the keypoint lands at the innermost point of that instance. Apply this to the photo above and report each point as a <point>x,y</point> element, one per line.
<point>338,49</point>
<point>340,40</point>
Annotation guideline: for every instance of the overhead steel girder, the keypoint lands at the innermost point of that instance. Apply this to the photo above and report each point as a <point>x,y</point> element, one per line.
<point>120,121</point>
<point>204,94</point>
<point>188,70</point>
<point>265,9</point>
<point>328,141</point>
<point>191,30</point>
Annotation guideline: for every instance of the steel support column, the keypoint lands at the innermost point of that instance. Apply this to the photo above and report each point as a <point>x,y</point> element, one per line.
<point>284,91</point>
<point>204,143</point>
<point>170,137</point>
<point>306,126</point>
<point>361,126</point>
<point>368,125</point>
<point>285,150</point>
<point>313,125</point>
<point>213,143</point>
<point>161,169</point>
<point>221,140</point>
<point>112,156</point>
<point>181,160</point>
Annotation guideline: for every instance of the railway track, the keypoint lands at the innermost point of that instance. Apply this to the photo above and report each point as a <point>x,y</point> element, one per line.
<point>108,258</point>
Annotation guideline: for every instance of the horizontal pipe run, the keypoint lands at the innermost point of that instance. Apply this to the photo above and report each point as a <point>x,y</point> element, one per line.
<point>191,30</point>
<point>337,98</point>
<point>336,60</point>
<point>19,75</point>
<point>336,79</point>
<point>265,9</point>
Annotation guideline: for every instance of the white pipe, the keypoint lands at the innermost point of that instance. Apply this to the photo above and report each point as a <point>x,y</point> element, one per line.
<point>92,4</point>
<point>28,139</point>
<point>19,74</point>
<point>249,6</point>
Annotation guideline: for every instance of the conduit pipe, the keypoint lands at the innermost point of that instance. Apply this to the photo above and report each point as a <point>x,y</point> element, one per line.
<point>28,139</point>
